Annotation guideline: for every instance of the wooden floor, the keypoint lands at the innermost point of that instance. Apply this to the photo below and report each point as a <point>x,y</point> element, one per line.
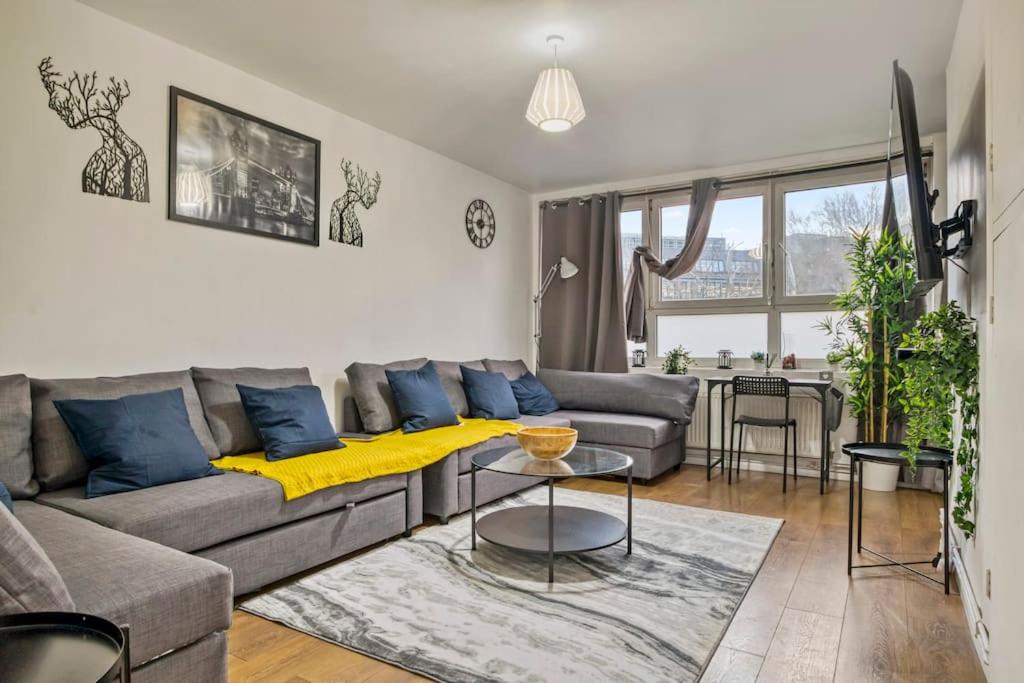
<point>802,619</point>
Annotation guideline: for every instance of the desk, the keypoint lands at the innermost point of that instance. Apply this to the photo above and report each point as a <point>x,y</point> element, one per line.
<point>820,387</point>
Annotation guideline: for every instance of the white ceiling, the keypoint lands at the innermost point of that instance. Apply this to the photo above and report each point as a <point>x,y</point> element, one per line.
<point>669,85</point>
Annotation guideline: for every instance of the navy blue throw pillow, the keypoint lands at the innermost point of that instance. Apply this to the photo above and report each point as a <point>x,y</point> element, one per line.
<point>420,399</point>
<point>532,396</point>
<point>5,498</point>
<point>291,421</point>
<point>489,395</point>
<point>135,441</point>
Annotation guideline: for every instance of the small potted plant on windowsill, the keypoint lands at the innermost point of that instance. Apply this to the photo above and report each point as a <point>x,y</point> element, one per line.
<point>833,359</point>
<point>759,360</point>
<point>677,361</point>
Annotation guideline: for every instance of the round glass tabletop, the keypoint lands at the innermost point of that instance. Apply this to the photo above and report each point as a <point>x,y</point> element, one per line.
<point>583,461</point>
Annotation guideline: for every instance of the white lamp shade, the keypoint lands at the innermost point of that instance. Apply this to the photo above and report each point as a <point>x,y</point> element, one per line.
<point>567,268</point>
<point>556,104</point>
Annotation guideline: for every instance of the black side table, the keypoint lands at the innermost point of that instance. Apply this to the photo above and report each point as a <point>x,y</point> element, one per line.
<point>892,454</point>
<point>63,646</point>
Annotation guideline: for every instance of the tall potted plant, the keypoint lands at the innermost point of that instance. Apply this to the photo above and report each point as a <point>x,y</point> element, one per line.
<point>874,316</point>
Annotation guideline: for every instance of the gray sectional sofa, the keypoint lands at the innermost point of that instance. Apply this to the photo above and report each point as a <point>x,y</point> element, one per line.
<point>642,415</point>
<point>168,560</point>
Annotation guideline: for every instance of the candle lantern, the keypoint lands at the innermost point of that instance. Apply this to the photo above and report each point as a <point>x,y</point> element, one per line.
<point>639,358</point>
<point>725,359</point>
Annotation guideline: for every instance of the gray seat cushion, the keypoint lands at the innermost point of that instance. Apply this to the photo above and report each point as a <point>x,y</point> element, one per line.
<point>57,460</point>
<point>372,393</point>
<point>197,514</point>
<point>621,429</point>
<point>222,406</point>
<point>512,369</point>
<point>451,379</point>
<point>466,454</point>
<point>16,437</point>
<point>168,598</point>
<point>28,580</point>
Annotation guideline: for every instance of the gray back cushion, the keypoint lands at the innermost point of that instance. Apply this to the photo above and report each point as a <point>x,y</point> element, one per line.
<point>222,405</point>
<point>28,580</point>
<point>451,380</point>
<point>16,437</point>
<point>669,396</point>
<point>372,393</point>
<point>58,462</point>
<point>512,369</point>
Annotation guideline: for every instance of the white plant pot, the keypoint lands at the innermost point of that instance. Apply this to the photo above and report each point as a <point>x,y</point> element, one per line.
<point>879,477</point>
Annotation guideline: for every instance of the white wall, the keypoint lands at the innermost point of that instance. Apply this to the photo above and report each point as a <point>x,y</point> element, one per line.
<point>92,285</point>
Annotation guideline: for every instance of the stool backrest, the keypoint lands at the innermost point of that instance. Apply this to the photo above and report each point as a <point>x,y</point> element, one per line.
<point>760,385</point>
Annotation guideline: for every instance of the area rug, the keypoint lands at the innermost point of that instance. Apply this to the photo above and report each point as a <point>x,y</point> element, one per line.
<point>433,606</point>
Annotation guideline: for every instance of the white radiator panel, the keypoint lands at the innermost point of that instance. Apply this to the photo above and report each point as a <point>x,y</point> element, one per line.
<point>806,410</point>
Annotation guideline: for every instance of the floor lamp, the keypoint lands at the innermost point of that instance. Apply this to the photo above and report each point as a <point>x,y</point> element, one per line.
<point>564,269</point>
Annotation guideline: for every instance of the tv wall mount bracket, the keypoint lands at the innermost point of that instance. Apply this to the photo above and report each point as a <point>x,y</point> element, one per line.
<point>962,224</point>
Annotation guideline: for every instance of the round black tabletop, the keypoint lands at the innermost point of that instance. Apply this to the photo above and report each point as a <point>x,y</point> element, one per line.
<point>892,454</point>
<point>45,647</point>
<point>583,461</point>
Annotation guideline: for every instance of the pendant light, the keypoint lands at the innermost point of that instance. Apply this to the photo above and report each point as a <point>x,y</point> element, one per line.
<point>556,104</point>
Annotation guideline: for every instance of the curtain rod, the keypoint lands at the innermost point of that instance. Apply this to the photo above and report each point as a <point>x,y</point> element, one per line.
<point>739,180</point>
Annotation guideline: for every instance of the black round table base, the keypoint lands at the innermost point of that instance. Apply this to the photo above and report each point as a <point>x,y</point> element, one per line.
<point>575,529</point>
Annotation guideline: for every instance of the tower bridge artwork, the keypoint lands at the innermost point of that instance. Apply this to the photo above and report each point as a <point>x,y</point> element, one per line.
<point>234,171</point>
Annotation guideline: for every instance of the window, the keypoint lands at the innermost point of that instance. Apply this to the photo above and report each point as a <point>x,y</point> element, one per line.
<point>800,334</point>
<point>704,335</point>
<point>730,265</point>
<point>773,261</point>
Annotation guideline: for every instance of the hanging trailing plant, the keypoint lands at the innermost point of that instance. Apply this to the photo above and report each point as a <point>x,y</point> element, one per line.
<point>873,318</point>
<point>940,384</point>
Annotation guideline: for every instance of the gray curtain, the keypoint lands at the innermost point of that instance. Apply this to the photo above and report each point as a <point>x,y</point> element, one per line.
<point>702,205</point>
<point>582,317</point>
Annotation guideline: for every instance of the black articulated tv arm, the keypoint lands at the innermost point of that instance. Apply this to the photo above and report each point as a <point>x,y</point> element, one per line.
<point>961,223</point>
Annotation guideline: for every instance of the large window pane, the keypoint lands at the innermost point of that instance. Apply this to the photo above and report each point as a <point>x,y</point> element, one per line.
<point>730,267</point>
<point>800,336</point>
<point>631,225</point>
<point>704,335</point>
<point>817,234</point>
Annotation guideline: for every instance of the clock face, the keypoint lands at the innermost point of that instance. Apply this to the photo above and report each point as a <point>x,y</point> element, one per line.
<point>480,223</point>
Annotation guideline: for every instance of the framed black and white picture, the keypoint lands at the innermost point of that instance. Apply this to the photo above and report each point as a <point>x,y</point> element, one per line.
<point>235,171</point>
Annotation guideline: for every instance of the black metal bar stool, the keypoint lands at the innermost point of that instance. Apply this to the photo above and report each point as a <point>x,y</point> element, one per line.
<point>764,386</point>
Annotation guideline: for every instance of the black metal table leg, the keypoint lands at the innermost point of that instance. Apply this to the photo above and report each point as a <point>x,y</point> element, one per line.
<point>860,504</point>
<point>849,521</point>
<point>551,530</point>
<point>721,427</point>
<point>945,527</point>
<point>629,511</point>
<point>711,387</point>
<point>472,500</point>
<point>822,440</point>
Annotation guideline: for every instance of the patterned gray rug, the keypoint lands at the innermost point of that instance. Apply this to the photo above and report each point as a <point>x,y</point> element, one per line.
<point>431,605</point>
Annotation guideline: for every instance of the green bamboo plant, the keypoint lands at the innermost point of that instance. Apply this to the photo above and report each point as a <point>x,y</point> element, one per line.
<point>873,318</point>
<point>941,379</point>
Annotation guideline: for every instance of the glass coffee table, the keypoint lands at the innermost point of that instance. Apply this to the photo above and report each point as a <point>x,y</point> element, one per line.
<point>553,529</point>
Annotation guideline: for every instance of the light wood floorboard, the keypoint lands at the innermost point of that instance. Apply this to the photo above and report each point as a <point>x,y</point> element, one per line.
<point>802,620</point>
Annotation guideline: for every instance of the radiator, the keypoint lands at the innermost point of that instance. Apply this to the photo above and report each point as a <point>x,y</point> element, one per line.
<point>805,409</point>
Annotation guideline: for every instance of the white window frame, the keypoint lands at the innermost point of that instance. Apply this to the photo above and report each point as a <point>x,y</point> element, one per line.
<point>773,301</point>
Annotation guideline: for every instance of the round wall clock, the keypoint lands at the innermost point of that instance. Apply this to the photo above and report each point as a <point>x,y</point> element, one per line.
<point>480,223</point>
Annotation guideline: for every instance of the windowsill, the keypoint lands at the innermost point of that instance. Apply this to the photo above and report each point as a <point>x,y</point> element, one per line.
<point>705,372</point>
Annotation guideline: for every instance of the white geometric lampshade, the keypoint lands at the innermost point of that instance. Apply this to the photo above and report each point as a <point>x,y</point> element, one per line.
<point>556,104</point>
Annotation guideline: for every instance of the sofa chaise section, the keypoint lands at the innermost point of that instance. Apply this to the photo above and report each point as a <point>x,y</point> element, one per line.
<point>642,415</point>
<point>178,606</point>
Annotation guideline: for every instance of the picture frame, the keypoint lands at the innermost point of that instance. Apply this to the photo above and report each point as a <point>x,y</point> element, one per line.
<point>231,170</point>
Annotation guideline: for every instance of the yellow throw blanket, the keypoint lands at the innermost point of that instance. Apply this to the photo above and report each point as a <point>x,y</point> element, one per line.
<point>391,453</point>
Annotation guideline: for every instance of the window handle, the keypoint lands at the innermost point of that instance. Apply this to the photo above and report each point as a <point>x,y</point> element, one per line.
<point>782,248</point>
